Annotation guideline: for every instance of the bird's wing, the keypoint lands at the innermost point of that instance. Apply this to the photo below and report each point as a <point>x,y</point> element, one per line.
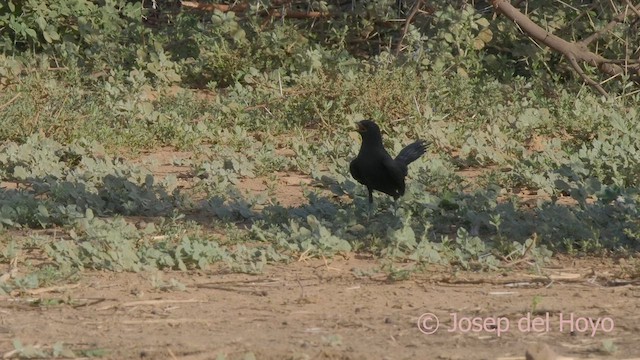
<point>397,172</point>
<point>355,171</point>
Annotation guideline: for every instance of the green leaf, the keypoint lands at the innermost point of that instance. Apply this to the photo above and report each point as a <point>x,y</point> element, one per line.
<point>485,35</point>
<point>20,173</point>
<point>478,44</point>
<point>42,23</point>
<point>483,22</point>
<point>31,33</point>
<point>448,38</point>
<point>52,32</point>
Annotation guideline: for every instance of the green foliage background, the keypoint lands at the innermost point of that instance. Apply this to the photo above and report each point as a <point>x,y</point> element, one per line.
<point>83,82</point>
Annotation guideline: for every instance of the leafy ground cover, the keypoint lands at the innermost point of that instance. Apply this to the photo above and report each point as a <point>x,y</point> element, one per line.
<point>145,180</point>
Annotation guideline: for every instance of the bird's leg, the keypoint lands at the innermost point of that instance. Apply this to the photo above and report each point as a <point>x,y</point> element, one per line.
<point>370,202</point>
<point>395,206</point>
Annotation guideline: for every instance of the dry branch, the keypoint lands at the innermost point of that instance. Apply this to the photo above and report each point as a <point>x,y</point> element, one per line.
<point>613,23</point>
<point>43,290</point>
<point>10,101</point>
<point>573,52</point>
<point>633,8</point>
<point>150,303</point>
<point>416,6</point>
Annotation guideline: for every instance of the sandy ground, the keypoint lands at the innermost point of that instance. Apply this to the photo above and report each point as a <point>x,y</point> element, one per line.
<point>318,310</point>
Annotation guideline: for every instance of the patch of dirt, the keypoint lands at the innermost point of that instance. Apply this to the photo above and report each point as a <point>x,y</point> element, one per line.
<point>287,189</point>
<point>8,185</point>
<point>318,310</point>
<point>164,162</point>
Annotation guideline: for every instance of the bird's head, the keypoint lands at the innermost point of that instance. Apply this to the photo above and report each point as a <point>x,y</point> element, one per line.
<point>366,126</point>
<point>369,131</point>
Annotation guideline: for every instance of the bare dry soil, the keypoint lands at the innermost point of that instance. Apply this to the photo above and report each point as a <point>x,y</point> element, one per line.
<point>318,310</point>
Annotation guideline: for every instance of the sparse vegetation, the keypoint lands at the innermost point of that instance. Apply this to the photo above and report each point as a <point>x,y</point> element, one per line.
<point>74,96</point>
<point>526,161</point>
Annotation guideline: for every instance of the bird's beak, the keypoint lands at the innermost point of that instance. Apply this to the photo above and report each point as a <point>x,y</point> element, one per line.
<point>360,128</point>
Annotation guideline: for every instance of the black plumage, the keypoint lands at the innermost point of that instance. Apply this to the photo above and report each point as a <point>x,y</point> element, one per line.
<point>375,168</point>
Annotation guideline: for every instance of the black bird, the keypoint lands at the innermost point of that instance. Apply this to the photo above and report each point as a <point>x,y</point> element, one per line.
<point>375,168</point>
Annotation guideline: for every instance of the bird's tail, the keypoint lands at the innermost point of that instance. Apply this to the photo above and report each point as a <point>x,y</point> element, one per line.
<point>412,152</point>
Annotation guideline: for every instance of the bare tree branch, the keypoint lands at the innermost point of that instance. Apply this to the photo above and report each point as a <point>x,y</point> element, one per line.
<point>590,81</point>
<point>634,8</point>
<point>416,6</point>
<point>613,23</point>
<point>573,52</point>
